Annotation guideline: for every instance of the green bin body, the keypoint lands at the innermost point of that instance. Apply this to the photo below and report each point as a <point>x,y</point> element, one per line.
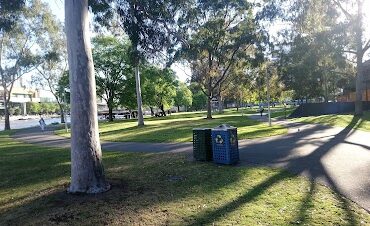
<point>202,144</point>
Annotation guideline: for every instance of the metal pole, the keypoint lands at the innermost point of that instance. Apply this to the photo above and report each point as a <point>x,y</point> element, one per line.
<point>268,95</point>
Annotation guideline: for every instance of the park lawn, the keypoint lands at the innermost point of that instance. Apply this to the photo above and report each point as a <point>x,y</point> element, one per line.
<point>280,114</point>
<point>178,128</point>
<point>340,120</point>
<point>161,189</point>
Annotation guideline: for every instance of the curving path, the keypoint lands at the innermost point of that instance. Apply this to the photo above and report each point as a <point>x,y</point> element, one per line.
<point>336,157</point>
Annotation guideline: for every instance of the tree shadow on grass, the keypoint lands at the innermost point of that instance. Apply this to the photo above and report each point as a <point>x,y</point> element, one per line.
<point>140,181</point>
<point>310,164</point>
<point>152,179</point>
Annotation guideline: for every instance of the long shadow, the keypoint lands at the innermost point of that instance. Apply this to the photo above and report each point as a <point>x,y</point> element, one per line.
<point>306,204</point>
<point>146,180</point>
<point>310,164</point>
<point>210,216</point>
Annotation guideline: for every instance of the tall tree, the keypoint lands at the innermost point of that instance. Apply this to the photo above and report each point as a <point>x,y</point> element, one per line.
<point>224,33</point>
<point>343,21</point>
<point>151,26</point>
<point>87,172</point>
<point>20,33</point>
<point>112,65</point>
<point>53,63</point>
<point>357,45</point>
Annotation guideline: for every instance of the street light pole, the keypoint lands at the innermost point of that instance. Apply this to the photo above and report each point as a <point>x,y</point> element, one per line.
<point>268,95</point>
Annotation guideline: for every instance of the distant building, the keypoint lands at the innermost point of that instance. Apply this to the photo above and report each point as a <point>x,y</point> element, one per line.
<point>351,96</point>
<point>19,97</point>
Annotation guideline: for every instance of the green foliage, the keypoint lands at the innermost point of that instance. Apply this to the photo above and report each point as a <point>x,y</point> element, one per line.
<point>323,32</point>
<point>159,87</point>
<point>199,101</point>
<point>183,97</point>
<point>112,65</point>
<point>311,65</point>
<point>48,108</point>
<point>9,13</point>
<point>33,108</point>
<point>151,25</point>
<point>225,40</point>
<point>63,87</point>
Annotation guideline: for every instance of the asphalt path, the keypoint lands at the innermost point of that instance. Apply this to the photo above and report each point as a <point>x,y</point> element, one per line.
<point>336,157</point>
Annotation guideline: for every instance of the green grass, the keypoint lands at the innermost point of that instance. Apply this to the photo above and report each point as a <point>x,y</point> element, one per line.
<point>178,127</point>
<point>340,120</point>
<point>161,189</point>
<point>282,113</point>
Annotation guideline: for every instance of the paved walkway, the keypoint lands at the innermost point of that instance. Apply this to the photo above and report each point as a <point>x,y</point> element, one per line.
<point>337,157</point>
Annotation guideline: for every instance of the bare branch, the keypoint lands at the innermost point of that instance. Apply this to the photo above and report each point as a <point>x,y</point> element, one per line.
<point>349,51</point>
<point>366,47</point>
<point>231,62</point>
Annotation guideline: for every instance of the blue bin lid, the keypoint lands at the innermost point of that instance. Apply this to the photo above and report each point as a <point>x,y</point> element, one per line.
<point>224,127</point>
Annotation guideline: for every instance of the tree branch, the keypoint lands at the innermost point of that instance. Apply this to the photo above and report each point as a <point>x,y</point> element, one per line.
<point>348,15</point>
<point>231,62</point>
<point>366,47</point>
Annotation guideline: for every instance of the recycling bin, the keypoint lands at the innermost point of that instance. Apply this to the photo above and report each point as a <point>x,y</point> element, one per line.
<point>202,144</point>
<point>225,145</point>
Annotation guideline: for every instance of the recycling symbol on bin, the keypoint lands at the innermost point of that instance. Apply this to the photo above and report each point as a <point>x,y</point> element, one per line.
<point>219,139</point>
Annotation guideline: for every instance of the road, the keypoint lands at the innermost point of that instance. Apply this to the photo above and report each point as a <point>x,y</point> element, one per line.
<point>21,124</point>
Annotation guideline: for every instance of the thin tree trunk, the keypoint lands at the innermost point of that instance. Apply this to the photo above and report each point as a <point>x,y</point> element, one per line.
<point>209,99</point>
<point>87,172</point>
<point>151,111</point>
<point>110,112</point>
<point>140,117</point>
<point>178,108</point>
<point>62,117</point>
<point>162,109</point>
<point>6,110</point>
<point>209,108</point>
<point>61,112</point>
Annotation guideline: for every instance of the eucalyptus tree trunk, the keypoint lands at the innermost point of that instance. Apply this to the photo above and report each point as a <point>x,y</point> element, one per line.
<point>6,110</point>
<point>87,174</point>
<point>140,117</point>
<point>359,56</point>
<point>209,107</point>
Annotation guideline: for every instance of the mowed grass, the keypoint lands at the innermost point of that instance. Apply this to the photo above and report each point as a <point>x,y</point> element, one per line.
<point>340,120</point>
<point>178,127</point>
<point>161,189</point>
